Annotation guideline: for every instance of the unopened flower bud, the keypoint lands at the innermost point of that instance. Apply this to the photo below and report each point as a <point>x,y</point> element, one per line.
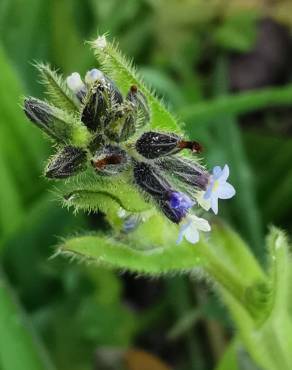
<point>76,85</point>
<point>93,75</point>
<point>152,183</point>
<point>186,171</point>
<point>69,161</point>
<point>95,107</point>
<point>152,144</point>
<point>120,125</point>
<point>43,115</point>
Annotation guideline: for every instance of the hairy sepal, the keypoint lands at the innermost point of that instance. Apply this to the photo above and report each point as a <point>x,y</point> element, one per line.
<point>56,89</point>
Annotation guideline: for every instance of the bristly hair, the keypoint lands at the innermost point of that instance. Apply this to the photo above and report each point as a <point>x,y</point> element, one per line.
<point>56,88</point>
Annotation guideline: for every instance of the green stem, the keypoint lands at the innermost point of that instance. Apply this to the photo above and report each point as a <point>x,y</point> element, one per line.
<point>222,275</point>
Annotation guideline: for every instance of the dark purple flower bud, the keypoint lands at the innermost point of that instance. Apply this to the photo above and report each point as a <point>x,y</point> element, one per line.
<point>179,200</point>
<point>110,160</point>
<point>175,215</point>
<point>152,145</point>
<point>138,99</point>
<point>185,171</point>
<point>152,183</point>
<point>68,162</point>
<point>49,119</point>
<point>95,107</point>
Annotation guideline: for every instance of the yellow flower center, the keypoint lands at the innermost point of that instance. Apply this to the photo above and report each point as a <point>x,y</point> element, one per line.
<point>215,185</point>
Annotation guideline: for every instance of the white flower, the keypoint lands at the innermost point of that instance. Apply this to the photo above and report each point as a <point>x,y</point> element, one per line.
<point>190,229</point>
<point>93,75</point>
<point>75,83</point>
<point>218,188</point>
<point>100,42</point>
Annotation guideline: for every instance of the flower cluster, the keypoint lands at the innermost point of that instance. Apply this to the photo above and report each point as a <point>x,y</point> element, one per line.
<point>106,136</point>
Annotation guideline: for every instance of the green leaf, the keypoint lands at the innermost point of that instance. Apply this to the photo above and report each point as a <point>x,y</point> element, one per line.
<point>19,349</point>
<point>151,249</point>
<point>238,32</point>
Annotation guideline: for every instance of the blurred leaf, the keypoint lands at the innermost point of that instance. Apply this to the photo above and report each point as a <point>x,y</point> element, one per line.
<point>24,29</point>
<point>184,324</point>
<point>236,104</point>
<point>229,359</point>
<point>163,85</point>
<point>66,41</point>
<point>19,348</point>
<point>16,138</point>
<point>238,31</point>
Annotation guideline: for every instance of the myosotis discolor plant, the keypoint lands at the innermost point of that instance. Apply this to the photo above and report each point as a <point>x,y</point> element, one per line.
<point>106,134</point>
<point>121,152</point>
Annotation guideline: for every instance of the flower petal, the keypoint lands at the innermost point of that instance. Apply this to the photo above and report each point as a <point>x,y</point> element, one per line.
<point>217,172</point>
<point>214,203</point>
<point>208,192</point>
<point>225,174</point>
<point>199,223</point>
<point>226,191</point>
<point>74,82</point>
<point>192,235</point>
<point>182,231</point>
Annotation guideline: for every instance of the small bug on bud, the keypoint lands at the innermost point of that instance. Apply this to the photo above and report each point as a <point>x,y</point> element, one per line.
<point>152,144</point>
<point>110,160</point>
<point>68,162</point>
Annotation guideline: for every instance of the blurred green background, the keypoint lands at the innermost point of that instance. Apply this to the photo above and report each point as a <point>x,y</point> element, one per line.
<point>224,68</point>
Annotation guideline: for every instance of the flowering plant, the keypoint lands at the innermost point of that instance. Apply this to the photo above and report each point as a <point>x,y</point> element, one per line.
<point>102,135</point>
<point>121,152</point>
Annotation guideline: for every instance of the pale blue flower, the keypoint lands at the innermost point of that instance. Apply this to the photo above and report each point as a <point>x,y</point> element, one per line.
<point>218,187</point>
<point>93,75</point>
<point>75,84</point>
<point>190,228</point>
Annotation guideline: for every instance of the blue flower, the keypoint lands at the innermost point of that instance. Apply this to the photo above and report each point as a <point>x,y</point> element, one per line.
<point>190,229</point>
<point>218,188</point>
